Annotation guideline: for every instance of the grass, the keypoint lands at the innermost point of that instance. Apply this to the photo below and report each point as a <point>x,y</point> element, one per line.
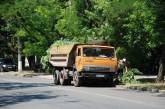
<point>146,84</point>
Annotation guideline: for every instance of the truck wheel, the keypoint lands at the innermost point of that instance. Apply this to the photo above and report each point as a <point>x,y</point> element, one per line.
<point>63,81</point>
<point>77,80</point>
<point>56,77</point>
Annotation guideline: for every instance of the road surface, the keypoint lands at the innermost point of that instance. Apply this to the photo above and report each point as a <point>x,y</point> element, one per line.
<point>37,93</point>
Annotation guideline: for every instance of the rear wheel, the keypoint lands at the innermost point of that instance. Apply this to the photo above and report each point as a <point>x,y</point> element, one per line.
<point>63,81</point>
<point>56,77</point>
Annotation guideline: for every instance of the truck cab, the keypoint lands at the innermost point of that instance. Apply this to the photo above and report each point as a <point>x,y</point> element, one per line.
<point>96,61</point>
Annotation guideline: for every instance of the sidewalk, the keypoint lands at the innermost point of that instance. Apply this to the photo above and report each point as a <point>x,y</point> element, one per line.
<point>28,74</point>
<point>145,76</point>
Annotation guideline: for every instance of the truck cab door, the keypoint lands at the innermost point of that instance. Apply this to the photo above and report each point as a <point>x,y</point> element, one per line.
<point>78,61</point>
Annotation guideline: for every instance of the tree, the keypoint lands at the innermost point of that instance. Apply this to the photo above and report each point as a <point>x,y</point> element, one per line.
<point>135,27</point>
<point>159,8</point>
<point>36,20</point>
<point>139,26</point>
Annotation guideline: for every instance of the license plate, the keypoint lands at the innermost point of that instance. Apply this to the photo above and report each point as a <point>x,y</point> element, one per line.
<point>9,67</point>
<point>100,76</point>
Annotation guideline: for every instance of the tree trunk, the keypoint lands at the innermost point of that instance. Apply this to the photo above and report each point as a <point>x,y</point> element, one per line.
<point>31,60</point>
<point>19,55</point>
<point>23,62</point>
<point>37,64</point>
<point>161,71</point>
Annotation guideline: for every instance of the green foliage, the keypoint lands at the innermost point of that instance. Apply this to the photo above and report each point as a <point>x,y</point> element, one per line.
<point>121,52</point>
<point>135,27</point>
<point>34,49</point>
<point>140,26</point>
<point>134,31</point>
<point>21,33</point>
<point>63,42</point>
<point>45,63</point>
<point>34,21</point>
<point>128,77</point>
<point>69,24</point>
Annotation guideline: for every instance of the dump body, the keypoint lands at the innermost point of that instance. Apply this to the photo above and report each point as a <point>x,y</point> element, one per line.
<point>63,56</point>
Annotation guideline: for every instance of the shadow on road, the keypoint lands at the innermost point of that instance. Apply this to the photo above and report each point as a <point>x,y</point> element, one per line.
<point>17,85</point>
<point>22,97</point>
<point>98,84</point>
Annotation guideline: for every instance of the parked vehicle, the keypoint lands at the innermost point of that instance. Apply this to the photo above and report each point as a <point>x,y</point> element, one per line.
<point>7,64</point>
<point>80,63</point>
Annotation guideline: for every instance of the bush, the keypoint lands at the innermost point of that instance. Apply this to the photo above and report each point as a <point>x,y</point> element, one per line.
<point>128,77</point>
<point>121,52</point>
<point>48,68</point>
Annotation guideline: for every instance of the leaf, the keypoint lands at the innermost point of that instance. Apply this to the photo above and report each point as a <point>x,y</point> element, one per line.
<point>21,33</point>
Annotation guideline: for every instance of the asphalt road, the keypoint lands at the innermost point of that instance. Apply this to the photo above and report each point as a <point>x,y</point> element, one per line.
<point>37,93</point>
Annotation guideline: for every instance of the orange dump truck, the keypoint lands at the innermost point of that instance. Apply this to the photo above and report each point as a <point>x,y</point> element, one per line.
<point>79,63</point>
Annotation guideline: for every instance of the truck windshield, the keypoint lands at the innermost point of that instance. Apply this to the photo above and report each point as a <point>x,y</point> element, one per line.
<point>98,52</point>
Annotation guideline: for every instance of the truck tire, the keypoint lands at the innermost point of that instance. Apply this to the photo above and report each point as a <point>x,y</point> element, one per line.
<point>77,80</point>
<point>63,81</point>
<point>56,77</point>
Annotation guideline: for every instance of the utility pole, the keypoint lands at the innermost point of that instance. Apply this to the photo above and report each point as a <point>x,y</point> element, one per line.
<point>19,54</point>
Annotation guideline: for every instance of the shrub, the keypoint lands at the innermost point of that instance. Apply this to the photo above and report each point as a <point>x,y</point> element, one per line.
<point>45,63</point>
<point>128,77</point>
<point>121,52</point>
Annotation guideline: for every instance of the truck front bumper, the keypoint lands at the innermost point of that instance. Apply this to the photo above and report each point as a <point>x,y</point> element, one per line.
<point>98,75</point>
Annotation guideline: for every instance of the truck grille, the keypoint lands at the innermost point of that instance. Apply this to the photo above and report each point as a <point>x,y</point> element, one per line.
<point>97,69</point>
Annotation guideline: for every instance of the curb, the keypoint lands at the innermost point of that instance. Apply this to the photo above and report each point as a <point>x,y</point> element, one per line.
<point>162,91</point>
<point>120,87</point>
<point>145,89</point>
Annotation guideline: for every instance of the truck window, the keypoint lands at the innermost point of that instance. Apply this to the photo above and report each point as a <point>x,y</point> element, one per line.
<point>98,52</point>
